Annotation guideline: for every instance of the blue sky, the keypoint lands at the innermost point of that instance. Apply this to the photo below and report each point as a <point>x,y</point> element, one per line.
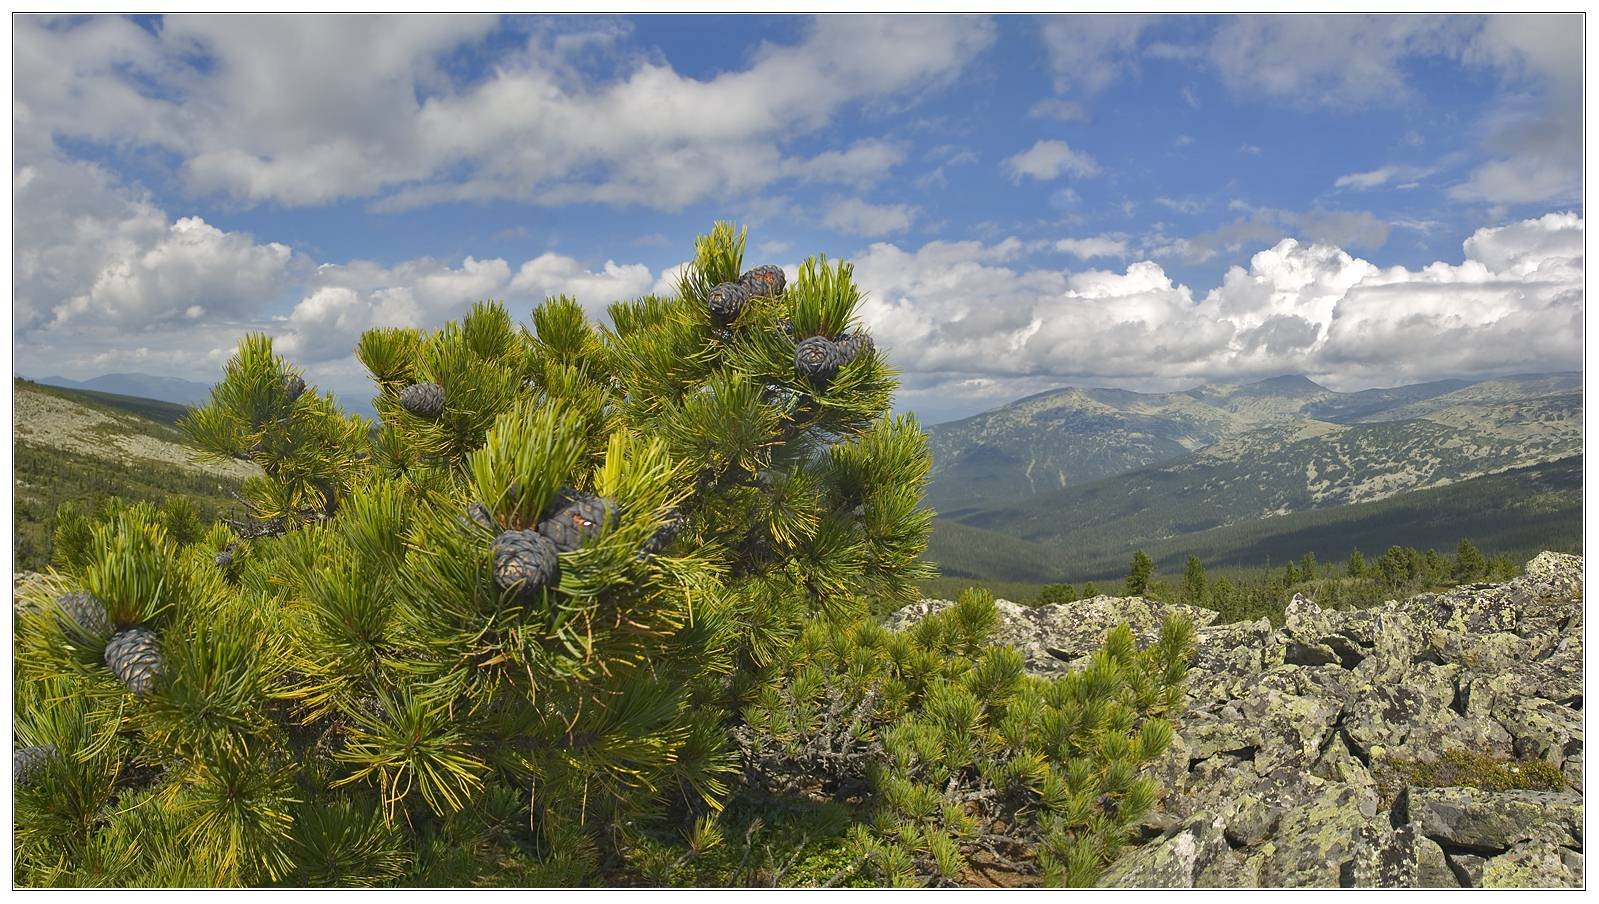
<point>1148,202</point>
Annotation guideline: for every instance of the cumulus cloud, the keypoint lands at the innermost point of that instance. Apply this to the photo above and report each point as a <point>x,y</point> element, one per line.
<point>269,109</point>
<point>94,255</point>
<point>192,271</point>
<point>1049,159</point>
<point>554,274</point>
<point>347,299</point>
<point>105,280</point>
<point>964,322</point>
<point>857,217</point>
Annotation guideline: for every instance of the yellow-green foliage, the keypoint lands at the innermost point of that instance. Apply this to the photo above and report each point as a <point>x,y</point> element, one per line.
<point>350,691</point>
<point>951,736</point>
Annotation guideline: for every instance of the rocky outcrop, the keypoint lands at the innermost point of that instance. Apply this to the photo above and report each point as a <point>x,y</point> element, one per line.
<point>1341,749</point>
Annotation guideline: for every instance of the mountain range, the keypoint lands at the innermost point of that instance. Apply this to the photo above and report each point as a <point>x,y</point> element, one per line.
<point>1078,475</point>
<point>147,386</point>
<point>172,389</point>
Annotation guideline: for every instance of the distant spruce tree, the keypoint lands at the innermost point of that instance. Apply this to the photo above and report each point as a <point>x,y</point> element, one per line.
<point>1307,567</point>
<point>1357,565</point>
<point>1056,593</point>
<point>1143,567</point>
<point>1470,564</point>
<point>1194,581</point>
<point>1090,590</point>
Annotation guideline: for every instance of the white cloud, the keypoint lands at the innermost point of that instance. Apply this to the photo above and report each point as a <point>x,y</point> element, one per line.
<point>960,320</point>
<point>1087,53</point>
<point>91,255</point>
<point>862,164</point>
<point>1406,176</point>
<point>1531,134</point>
<point>555,274</point>
<point>857,217</point>
<point>1049,159</point>
<point>193,270</point>
<point>1341,61</point>
<point>270,109</point>
<point>1534,135</point>
<point>1094,246</point>
<point>1057,108</point>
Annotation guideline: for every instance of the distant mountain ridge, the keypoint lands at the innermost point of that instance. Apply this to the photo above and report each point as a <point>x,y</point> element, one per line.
<point>1069,437</point>
<point>172,389</point>
<point>148,386</point>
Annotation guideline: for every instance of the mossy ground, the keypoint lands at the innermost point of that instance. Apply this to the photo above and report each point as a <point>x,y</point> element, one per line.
<point>1467,769</point>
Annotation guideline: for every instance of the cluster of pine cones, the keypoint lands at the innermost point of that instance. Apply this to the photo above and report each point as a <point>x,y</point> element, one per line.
<point>527,560</point>
<point>132,653</point>
<point>817,359</point>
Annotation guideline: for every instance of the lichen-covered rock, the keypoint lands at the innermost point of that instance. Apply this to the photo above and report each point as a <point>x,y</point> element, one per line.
<point>1175,861</point>
<point>1295,760</point>
<point>1432,866</point>
<point>1537,864</point>
<point>1472,818</point>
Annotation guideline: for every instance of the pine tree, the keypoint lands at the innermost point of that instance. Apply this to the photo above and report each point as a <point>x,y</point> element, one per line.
<point>1307,566</point>
<point>1090,590</point>
<point>1357,565</point>
<point>1057,593</point>
<point>380,676</point>
<point>1139,573</point>
<point>1194,581</point>
<point>1470,564</point>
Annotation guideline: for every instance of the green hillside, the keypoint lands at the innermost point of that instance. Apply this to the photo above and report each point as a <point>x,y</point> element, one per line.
<point>160,412</point>
<point>1516,513</point>
<point>84,447</point>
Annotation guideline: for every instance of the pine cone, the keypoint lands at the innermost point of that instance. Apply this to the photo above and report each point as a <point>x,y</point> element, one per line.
<point>26,760</point>
<point>293,386</point>
<point>81,610</point>
<point>423,399</point>
<point>855,345</point>
<point>727,301</point>
<point>478,513</point>
<point>524,561</point>
<point>577,517</point>
<point>134,656</point>
<point>764,281</point>
<point>817,359</point>
<point>663,538</point>
<point>225,557</point>
<point>786,326</point>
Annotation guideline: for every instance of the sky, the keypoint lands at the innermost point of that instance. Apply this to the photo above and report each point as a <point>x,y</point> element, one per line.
<point>1030,202</point>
